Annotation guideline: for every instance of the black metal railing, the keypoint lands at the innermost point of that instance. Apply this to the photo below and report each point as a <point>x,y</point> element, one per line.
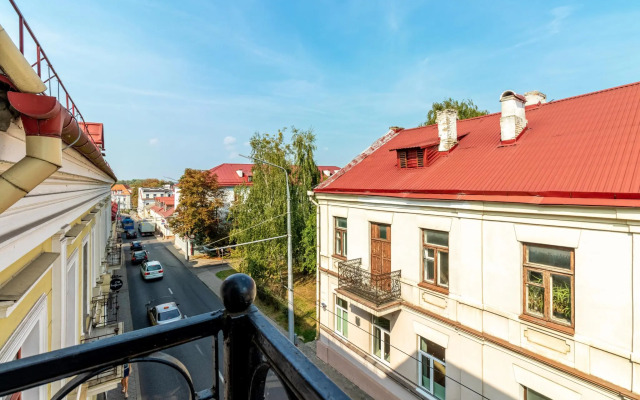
<point>104,310</point>
<point>251,348</point>
<point>376,288</point>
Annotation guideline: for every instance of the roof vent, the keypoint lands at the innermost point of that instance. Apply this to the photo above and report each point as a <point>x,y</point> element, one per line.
<point>447,128</point>
<point>513,121</point>
<point>326,172</point>
<point>240,173</point>
<point>535,97</point>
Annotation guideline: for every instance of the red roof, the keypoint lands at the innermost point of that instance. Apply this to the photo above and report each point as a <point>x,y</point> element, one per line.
<point>168,200</point>
<point>228,175</point>
<point>96,130</point>
<point>166,213</point>
<point>581,150</point>
<point>120,187</point>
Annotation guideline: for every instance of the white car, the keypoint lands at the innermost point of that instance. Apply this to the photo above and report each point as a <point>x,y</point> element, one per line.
<point>151,270</point>
<point>164,313</point>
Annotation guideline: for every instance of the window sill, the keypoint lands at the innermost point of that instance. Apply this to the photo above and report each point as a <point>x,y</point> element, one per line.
<point>433,287</point>
<point>547,324</point>
<point>339,257</point>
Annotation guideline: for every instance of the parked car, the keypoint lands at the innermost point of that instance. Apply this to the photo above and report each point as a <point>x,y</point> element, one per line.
<point>138,257</point>
<point>163,313</point>
<point>151,270</point>
<point>131,234</point>
<point>136,246</point>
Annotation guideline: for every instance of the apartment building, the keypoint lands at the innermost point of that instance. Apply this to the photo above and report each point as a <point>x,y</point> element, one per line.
<point>495,257</point>
<point>147,198</point>
<point>121,195</point>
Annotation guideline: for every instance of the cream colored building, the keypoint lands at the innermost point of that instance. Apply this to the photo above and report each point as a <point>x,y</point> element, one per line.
<point>495,257</point>
<point>55,220</point>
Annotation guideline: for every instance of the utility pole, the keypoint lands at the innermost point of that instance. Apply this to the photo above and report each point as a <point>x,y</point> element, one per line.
<point>289,252</point>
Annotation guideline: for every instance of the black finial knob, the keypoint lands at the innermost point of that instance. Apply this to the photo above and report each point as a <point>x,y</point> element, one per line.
<point>238,292</point>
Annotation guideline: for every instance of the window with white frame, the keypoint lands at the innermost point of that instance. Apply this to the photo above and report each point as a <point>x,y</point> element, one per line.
<point>431,368</point>
<point>342,317</point>
<point>340,246</point>
<point>435,258</point>
<point>381,345</point>
<point>533,395</point>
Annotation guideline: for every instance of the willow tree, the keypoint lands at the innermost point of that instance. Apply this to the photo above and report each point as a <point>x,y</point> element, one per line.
<point>260,210</point>
<point>198,213</point>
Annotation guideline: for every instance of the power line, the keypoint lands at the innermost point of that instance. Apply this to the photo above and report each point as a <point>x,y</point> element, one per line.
<point>246,229</point>
<point>390,345</point>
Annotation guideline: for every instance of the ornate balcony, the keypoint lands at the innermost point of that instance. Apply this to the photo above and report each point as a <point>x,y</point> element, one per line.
<point>252,348</point>
<point>376,289</point>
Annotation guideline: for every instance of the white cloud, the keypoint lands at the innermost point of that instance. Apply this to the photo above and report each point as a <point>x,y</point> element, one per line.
<point>229,140</point>
<point>153,141</point>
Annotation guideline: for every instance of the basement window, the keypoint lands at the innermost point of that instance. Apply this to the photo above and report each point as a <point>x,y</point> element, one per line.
<point>411,158</point>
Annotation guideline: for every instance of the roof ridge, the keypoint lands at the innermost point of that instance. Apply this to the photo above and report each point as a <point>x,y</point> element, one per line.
<point>593,93</point>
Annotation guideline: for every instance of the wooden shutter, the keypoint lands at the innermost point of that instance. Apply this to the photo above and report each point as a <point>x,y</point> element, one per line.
<point>402,158</point>
<point>420,157</point>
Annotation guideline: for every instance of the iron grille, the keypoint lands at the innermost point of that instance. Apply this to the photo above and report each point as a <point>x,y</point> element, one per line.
<point>376,288</point>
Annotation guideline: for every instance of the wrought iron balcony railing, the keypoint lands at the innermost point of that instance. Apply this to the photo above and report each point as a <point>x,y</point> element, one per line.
<point>376,288</point>
<point>252,347</point>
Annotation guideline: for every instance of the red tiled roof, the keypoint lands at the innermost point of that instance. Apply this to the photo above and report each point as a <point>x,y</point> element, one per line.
<point>155,208</point>
<point>228,176</point>
<point>96,131</point>
<point>168,200</point>
<point>121,187</point>
<point>580,150</point>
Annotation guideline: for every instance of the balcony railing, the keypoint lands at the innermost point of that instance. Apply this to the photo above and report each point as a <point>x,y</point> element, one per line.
<point>252,348</point>
<point>376,288</point>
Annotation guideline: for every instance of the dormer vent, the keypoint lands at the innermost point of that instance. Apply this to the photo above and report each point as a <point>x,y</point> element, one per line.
<point>447,128</point>
<point>411,158</point>
<point>513,120</point>
<point>240,173</point>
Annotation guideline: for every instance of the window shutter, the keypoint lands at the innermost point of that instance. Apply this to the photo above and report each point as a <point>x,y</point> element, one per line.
<point>402,158</point>
<point>412,158</point>
<point>420,157</point>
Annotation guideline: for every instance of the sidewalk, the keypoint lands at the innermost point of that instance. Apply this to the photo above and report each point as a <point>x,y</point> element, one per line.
<point>206,270</point>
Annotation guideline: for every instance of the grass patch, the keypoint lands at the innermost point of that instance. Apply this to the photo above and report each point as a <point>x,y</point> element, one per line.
<point>225,273</point>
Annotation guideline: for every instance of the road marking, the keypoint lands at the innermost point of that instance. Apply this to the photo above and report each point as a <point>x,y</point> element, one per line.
<point>198,347</point>
<point>170,290</point>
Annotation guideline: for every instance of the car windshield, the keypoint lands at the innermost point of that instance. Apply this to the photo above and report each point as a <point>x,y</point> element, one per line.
<point>170,314</point>
<point>139,254</point>
<point>154,267</point>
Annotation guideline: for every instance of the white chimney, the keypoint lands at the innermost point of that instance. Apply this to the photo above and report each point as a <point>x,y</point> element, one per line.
<point>512,121</point>
<point>240,173</point>
<point>447,128</point>
<point>535,97</point>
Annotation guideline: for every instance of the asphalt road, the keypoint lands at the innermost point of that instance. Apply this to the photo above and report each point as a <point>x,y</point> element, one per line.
<point>194,297</point>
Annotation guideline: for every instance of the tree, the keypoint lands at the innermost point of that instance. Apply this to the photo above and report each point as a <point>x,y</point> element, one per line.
<point>134,184</point>
<point>260,211</point>
<point>200,203</point>
<point>466,109</point>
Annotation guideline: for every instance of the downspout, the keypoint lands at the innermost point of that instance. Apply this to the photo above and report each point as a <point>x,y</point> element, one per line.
<point>42,121</point>
<point>310,195</point>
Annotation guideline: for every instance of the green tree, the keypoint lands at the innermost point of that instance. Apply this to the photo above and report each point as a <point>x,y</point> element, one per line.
<point>198,213</point>
<point>260,211</point>
<point>466,109</point>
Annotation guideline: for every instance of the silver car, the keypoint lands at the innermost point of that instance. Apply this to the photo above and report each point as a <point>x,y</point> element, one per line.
<point>151,270</point>
<point>164,313</point>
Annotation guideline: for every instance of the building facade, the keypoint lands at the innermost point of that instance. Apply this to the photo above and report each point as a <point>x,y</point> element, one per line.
<point>121,195</point>
<point>463,259</point>
<point>55,219</point>
<point>161,212</point>
<point>147,196</point>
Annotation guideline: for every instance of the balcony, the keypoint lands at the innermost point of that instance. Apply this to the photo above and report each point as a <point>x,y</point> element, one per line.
<point>251,349</point>
<point>379,293</point>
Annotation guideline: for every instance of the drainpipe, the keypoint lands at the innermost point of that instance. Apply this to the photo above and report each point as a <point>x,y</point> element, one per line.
<point>310,195</point>
<point>42,120</point>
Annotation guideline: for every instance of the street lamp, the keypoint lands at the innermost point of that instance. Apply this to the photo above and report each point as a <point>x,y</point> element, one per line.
<point>289,260</point>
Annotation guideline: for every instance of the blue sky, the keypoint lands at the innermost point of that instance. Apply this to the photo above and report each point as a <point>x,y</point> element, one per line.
<point>182,84</point>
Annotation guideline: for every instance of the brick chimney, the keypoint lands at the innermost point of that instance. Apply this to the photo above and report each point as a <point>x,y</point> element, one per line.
<point>535,97</point>
<point>447,128</point>
<point>513,121</point>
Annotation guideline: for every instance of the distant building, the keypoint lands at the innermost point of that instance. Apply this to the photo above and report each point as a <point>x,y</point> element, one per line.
<point>493,257</point>
<point>121,195</point>
<point>161,212</point>
<point>147,196</point>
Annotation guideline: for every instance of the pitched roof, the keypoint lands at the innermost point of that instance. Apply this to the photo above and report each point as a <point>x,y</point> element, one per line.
<point>123,188</point>
<point>228,175</point>
<point>580,150</point>
<point>168,200</point>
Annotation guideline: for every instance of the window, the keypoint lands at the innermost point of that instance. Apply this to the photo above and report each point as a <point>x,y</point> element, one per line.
<point>435,258</point>
<point>533,395</point>
<point>381,346</point>
<point>431,368</point>
<point>548,285</point>
<point>411,158</point>
<point>340,248</point>
<point>342,317</point>
<point>147,195</point>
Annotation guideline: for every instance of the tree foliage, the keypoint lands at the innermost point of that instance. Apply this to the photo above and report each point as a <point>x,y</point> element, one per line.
<point>466,109</point>
<point>198,213</point>
<point>260,211</point>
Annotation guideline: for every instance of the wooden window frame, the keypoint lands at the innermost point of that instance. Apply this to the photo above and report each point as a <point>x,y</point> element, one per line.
<point>435,286</point>
<point>547,271</point>
<point>342,253</point>
<point>340,315</point>
<point>382,341</point>
<point>431,359</point>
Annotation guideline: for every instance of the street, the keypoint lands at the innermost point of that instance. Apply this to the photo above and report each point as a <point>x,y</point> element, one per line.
<point>179,285</point>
